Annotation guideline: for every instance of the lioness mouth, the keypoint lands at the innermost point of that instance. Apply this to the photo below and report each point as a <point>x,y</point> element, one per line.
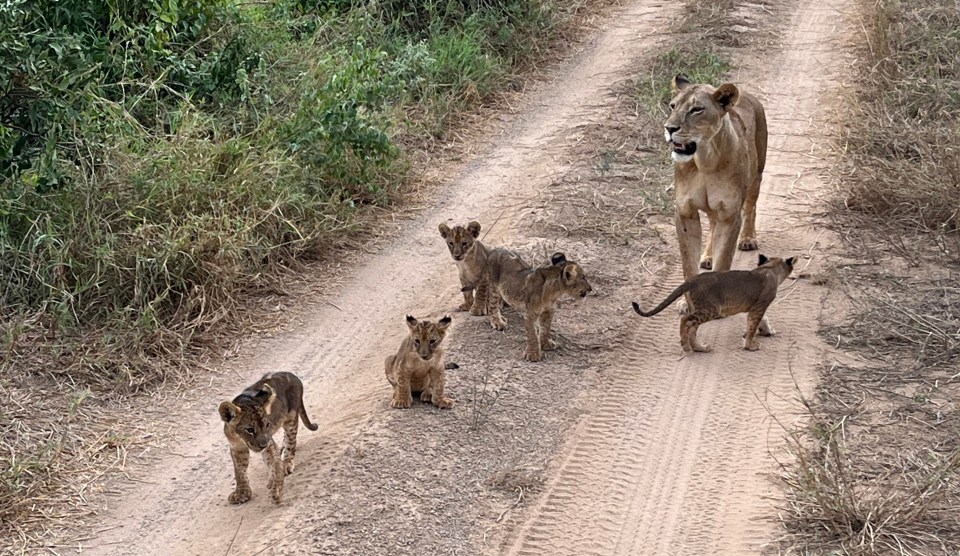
<point>685,149</point>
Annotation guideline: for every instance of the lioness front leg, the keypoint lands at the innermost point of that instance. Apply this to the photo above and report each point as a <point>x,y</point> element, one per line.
<point>275,472</point>
<point>402,396</point>
<point>726,242</point>
<point>748,234</point>
<point>436,389</point>
<point>546,321</point>
<point>689,235</point>
<point>533,351</point>
<point>240,455</point>
<point>706,261</point>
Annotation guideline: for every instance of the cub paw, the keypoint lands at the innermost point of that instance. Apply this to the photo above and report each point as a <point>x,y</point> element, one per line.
<point>288,467</point>
<point>478,310</point>
<point>465,307</point>
<point>239,496</point>
<point>498,324</point>
<point>401,404</point>
<point>747,244</point>
<point>533,356</point>
<point>706,263</point>
<point>276,494</point>
<point>426,396</point>
<point>444,403</point>
<point>549,344</point>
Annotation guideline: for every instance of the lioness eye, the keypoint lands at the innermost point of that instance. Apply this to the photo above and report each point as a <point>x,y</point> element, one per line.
<point>696,110</point>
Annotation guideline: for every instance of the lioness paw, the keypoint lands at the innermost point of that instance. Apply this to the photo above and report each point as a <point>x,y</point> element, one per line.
<point>748,244</point>
<point>682,307</point>
<point>706,263</point>
<point>239,496</point>
<point>702,348</point>
<point>752,345</point>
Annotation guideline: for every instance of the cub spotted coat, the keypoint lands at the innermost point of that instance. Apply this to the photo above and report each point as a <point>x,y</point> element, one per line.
<point>251,419</point>
<point>714,295</point>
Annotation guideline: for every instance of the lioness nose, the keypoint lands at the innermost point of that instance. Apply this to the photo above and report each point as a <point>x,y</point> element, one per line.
<point>671,129</point>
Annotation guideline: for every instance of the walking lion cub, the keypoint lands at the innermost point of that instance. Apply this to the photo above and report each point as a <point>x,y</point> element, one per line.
<point>533,291</point>
<point>418,365</point>
<point>250,421</point>
<point>714,295</point>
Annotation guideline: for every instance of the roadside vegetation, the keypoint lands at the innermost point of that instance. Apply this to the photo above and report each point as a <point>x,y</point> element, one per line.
<point>160,161</point>
<point>876,470</point>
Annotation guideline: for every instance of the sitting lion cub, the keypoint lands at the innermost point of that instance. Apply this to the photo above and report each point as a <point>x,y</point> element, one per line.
<point>418,365</point>
<point>250,421</point>
<point>714,295</point>
<point>534,291</point>
<point>470,256</point>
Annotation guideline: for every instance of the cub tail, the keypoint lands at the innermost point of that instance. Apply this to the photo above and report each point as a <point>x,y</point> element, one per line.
<point>304,418</point>
<point>451,366</point>
<point>681,289</point>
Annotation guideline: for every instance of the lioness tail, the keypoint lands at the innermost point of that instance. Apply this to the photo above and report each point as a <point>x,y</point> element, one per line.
<point>681,289</point>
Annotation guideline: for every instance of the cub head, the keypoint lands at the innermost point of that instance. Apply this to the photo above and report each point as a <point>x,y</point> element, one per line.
<point>460,239</point>
<point>248,416</point>
<point>427,335</point>
<point>696,115</point>
<point>782,266</point>
<point>571,276</point>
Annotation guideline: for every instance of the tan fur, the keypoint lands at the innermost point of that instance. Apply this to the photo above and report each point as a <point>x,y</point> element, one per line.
<point>251,420</point>
<point>534,291</point>
<point>470,257</point>
<point>719,142</point>
<point>418,365</point>
<point>714,295</point>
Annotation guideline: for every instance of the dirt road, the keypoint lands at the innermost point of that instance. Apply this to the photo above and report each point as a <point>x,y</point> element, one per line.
<point>612,445</point>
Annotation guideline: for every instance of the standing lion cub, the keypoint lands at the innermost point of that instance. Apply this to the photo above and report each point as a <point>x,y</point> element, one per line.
<point>714,295</point>
<point>533,291</point>
<point>470,256</point>
<point>251,419</point>
<point>418,365</point>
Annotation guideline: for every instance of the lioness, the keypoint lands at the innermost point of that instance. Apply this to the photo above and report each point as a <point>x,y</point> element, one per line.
<point>719,148</point>
<point>470,256</point>
<point>418,365</point>
<point>533,291</point>
<point>250,421</point>
<point>721,294</point>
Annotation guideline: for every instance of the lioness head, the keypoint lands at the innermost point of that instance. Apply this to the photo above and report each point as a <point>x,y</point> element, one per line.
<point>571,276</point>
<point>783,266</point>
<point>427,335</point>
<point>696,115</point>
<point>460,239</point>
<point>248,416</point>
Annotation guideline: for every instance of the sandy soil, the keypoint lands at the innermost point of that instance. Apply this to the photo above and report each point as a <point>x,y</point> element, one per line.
<point>613,444</point>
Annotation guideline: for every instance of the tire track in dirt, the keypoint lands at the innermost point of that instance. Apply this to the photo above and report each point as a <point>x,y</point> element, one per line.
<point>338,349</point>
<point>675,458</point>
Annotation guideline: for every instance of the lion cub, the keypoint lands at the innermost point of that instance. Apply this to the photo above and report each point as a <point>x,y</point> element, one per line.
<point>418,365</point>
<point>533,291</point>
<point>714,295</point>
<point>250,421</point>
<point>470,256</point>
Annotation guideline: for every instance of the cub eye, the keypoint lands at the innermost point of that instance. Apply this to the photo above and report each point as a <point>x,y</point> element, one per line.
<point>450,243</point>
<point>464,244</point>
<point>250,430</point>
<point>696,110</point>
<point>433,342</point>
<point>416,342</point>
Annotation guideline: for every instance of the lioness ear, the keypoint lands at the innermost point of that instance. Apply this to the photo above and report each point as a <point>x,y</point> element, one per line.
<point>444,230</point>
<point>411,322</point>
<point>679,82</point>
<point>558,259</point>
<point>443,323</point>
<point>762,260</point>
<point>228,411</point>
<point>726,95</point>
<point>474,229</point>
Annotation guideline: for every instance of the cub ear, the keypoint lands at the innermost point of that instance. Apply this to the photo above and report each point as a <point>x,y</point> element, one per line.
<point>444,230</point>
<point>726,96</point>
<point>267,391</point>
<point>679,83</point>
<point>791,261</point>
<point>228,411</point>
<point>474,228</point>
<point>570,272</point>
<point>411,322</point>
<point>443,323</point>
<point>762,260</point>
<point>558,259</point>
